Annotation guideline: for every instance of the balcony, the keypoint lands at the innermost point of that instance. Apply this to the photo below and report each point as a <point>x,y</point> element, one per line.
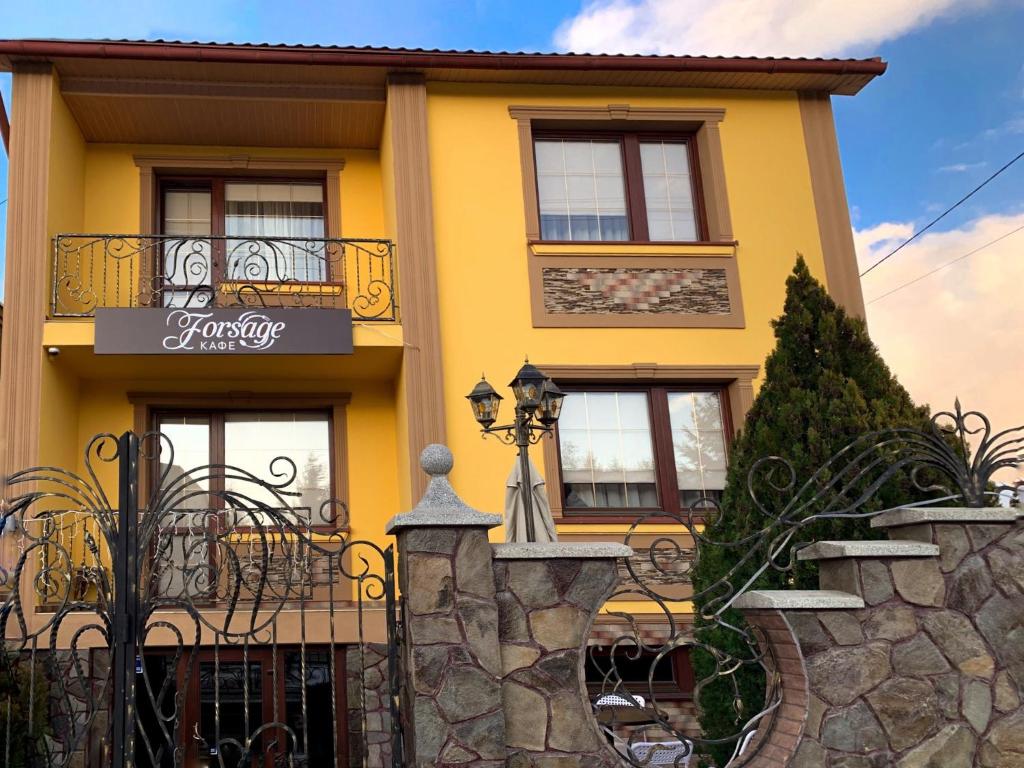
<point>106,270</point>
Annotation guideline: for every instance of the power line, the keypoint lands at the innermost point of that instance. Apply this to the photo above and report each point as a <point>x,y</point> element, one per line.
<point>919,278</point>
<point>941,216</point>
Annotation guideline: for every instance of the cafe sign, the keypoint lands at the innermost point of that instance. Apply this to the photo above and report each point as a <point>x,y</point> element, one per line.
<point>223,331</point>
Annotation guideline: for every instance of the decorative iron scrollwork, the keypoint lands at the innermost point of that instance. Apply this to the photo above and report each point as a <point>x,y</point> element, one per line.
<point>956,458</point>
<point>93,271</point>
<point>216,560</point>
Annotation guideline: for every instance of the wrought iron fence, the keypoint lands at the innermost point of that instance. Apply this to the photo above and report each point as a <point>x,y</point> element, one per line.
<point>102,270</point>
<point>195,625</point>
<point>956,459</point>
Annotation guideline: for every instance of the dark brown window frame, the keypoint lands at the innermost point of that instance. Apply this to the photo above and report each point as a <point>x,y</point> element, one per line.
<point>265,656</point>
<point>680,689</point>
<point>214,184</point>
<point>632,173</point>
<point>216,417</point>
<point>661,438</point>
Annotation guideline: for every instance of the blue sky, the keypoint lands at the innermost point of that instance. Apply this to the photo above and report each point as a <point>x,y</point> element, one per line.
<point>949,112</point>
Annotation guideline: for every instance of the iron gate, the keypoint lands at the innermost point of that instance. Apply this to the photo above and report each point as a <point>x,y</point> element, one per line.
<point>198,618</point>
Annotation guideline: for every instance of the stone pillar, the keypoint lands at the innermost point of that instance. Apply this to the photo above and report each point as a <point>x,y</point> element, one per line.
<point>548,595</point>
<point>494,638</point>
<point>913,651</point>
<point>451,693</point>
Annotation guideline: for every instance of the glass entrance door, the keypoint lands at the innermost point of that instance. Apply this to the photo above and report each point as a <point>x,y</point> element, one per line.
<point>277,710</point>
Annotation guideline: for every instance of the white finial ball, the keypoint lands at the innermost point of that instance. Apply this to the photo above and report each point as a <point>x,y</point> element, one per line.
<point>436,460</point>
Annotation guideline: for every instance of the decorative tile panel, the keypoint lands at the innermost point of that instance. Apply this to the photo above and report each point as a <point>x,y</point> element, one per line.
<point>636,290</point>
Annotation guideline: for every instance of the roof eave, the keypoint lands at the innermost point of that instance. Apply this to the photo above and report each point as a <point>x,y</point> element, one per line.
<point>864,70</point>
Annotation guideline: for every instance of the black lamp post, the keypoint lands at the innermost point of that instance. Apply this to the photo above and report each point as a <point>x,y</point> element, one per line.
<point>538,405</point>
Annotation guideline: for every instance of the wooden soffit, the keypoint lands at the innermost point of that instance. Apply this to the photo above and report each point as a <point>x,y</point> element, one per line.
<point>280,113</point>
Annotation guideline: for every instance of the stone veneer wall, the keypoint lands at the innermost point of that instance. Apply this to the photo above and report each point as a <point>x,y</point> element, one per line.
<point>911,655</point>
<point>622,290</point>
<point>494,637</point>
<point>453,666</point>
<point>368,705</point>
<point>545,610</point>
<point>929,673</point>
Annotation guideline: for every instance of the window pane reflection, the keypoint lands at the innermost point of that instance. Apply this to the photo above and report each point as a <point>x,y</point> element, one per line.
<point>305,714</point>
<point>668,191</point>
<point>224,698</point>
<point>252,441</point>
<point>607,451</point>
<point>287,211</point>
<point>186,260</point>
<point>698,441</point>
<point>189,448</point>
<point>581,191</point>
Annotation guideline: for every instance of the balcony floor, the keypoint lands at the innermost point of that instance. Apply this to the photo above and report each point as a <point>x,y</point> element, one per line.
<point>377,355</point>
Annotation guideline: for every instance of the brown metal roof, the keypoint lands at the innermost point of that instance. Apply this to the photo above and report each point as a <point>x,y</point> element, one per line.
<point>835,75</point>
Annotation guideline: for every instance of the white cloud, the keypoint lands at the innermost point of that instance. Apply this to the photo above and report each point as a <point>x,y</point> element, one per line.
<point>962,167</point>
<point>748,27</point>
<point>957,332</point>
<point>1012,127</point>
<point>880,239</point>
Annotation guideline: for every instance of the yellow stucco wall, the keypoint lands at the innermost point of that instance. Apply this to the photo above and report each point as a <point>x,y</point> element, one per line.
<point>482,256</point>
<point>95,189</point>
<point>482,272</point>
<point>65,195</point>
<point>112,184</point>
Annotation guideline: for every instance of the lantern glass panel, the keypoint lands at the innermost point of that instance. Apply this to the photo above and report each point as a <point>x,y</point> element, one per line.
<point>550,404</point>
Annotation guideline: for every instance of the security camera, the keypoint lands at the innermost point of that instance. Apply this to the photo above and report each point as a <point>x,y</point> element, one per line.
<point>53,351</point>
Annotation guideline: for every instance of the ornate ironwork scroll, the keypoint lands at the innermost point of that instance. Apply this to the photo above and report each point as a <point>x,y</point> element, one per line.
<point>93,271</point>
<point>956,459</point>
<point>207,622</point>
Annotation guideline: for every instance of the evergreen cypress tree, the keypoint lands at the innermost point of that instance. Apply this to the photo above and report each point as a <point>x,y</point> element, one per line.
<point>825,385</point>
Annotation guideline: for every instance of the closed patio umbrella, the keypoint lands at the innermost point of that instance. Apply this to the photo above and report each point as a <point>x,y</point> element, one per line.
<point>515,508</point>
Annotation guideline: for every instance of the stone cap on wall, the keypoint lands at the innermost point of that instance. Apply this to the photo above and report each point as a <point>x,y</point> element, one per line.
<point>440,505</point>
<point>919,515</point>
<point>559,550</point>
<point>829,550</point>
<point>793,599</point>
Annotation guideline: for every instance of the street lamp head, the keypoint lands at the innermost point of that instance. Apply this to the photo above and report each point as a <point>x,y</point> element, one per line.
<point>485,402</point>
<point>550,403</point>
<point>527,387</point>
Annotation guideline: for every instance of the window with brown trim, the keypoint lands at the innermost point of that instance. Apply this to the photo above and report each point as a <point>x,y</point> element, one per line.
<point>605,186</point>
<point>630,450</point>
<point>296,680</point>
<point>266,225</point>
<point>253,440</point>
<point>670,676</point>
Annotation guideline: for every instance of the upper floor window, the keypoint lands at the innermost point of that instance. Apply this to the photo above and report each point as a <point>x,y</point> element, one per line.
<point>273,210</point>
<point>641,449</point>
<point>265,228</point>
<point>614,187</point>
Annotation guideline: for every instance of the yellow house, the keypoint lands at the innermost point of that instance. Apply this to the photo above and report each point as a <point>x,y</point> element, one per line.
<point>396,222</point>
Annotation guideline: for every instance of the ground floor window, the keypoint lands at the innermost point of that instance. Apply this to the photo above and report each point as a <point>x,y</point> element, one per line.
<point>253,441</point>
<point>274,705</point>
<point>668,676</point>
<point>637,449</point>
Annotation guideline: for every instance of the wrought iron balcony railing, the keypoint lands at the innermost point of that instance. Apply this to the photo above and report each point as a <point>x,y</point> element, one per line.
<point>93,271</point>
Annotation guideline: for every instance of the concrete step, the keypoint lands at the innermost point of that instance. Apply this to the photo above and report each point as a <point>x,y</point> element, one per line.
<point>794,599</point>
<point>833,550</point>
